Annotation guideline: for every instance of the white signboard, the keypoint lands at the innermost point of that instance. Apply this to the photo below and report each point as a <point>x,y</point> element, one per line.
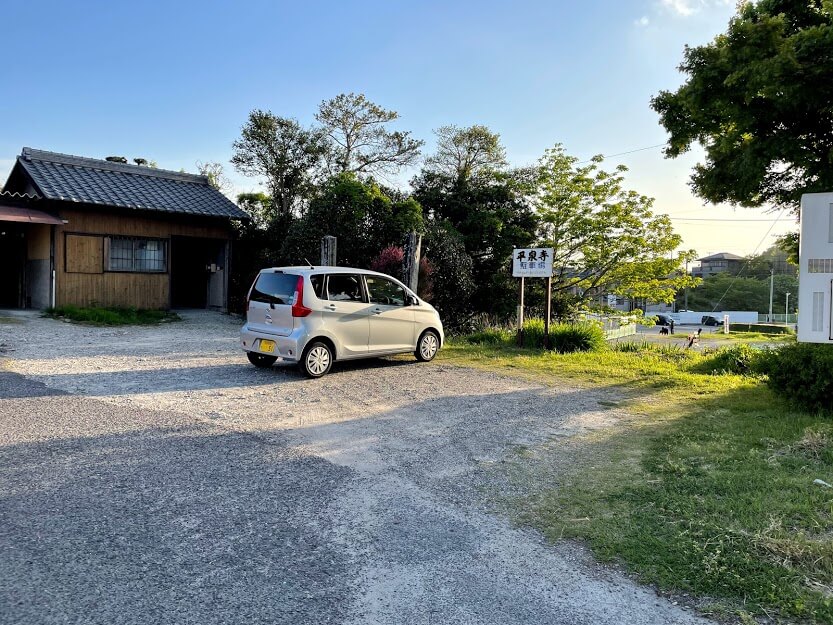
<point>535,262</point>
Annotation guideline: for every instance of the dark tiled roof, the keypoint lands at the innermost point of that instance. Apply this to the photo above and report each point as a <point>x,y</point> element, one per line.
<point>721,256</point>
<point>93,181</point>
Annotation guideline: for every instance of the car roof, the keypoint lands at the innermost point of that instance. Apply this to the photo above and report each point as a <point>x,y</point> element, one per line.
<point>311,270</point>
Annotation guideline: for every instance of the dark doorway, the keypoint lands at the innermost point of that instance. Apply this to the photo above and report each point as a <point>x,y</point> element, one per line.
<point>195,263</point>
<point>12,265</point>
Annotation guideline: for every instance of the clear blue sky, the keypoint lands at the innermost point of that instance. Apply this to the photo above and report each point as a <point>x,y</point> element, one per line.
<point>174,81</point>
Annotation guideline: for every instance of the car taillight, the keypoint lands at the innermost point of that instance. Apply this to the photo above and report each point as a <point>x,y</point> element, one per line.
<point>298,308</point>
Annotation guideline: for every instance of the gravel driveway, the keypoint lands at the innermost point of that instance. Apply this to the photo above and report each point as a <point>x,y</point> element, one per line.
<point>151,475</point>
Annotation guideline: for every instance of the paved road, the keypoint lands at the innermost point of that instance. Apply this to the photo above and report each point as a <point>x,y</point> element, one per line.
<point>150,475</point>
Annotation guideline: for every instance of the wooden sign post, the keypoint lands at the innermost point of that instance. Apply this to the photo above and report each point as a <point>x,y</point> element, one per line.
<point>533,263</point>
<point>328,251</point>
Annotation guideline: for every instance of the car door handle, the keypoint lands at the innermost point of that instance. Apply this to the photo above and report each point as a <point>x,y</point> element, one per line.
<point>330,306</point>
<point>377,311</point>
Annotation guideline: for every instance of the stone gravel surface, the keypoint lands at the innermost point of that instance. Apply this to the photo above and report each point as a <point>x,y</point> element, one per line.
<point>151,475</point>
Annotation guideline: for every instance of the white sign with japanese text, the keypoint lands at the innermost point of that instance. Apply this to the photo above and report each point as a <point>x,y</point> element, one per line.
<point>533,262</point>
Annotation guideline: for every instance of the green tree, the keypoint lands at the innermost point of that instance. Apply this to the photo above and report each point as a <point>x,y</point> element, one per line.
<point>605,238</point>
<point>216,174</point>
<point>466,152</point>
<point>285,154</point>
<point>491,214</point>
<point>452,285</point>
<point>726,292</point>
<point>788,243</point>
<point>359,140</point>
<point>359,214</point>
<point>758,99</point>
<point>761,265</point>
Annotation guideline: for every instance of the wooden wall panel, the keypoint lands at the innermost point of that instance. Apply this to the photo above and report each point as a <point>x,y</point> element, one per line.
<point>37,238</point>
<point>84,253</point>
<point>142,290</point>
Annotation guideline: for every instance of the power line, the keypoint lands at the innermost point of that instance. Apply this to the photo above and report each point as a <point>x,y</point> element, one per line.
<point>605,156</point>
<point>749,259</point>
<point>713,219</point>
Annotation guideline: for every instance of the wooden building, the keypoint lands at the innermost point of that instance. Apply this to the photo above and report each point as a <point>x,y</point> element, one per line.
<point>86,232</point>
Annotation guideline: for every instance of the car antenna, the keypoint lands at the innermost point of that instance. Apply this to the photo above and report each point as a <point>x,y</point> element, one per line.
<point>309,263</point>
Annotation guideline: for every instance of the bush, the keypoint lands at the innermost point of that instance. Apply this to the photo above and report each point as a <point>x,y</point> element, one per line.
<point>565,338</point>
<point>532,336</point>
<point>451,281</point>
<point>736,359</point>
<point>803,373</point>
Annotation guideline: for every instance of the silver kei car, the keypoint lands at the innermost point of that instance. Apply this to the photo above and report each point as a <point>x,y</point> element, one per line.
<point>318,315</point>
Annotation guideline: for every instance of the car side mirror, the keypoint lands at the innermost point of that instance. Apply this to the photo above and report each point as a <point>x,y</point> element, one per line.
<point>412,301</point>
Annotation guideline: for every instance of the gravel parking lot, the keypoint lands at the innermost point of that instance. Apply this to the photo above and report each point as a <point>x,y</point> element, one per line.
<point>150,474</point>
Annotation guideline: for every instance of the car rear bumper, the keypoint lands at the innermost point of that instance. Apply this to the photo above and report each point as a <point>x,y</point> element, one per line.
<point>286,347</point>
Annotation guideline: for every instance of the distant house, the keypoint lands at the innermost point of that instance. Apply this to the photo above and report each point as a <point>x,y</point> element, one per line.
<point>815,275</point>
<point>718,263</point>
<point>84,231</point>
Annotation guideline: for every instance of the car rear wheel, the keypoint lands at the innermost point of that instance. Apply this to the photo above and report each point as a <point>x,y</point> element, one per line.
<point>261,360</point>
<point>317,360</point>
<point>428,346</point>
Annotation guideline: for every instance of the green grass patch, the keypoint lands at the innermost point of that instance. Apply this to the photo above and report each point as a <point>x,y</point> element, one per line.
<point>111,316</point>
<point>760,328</point>
<point>707,489</point>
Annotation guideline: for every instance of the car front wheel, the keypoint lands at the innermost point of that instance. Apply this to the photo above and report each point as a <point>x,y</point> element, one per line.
<point>428,346</point>
<point>261,360</point>
<point>317,360</point>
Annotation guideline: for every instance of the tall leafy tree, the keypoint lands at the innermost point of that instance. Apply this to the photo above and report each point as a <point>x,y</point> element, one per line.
<point>282,152</point>
<point>364,219</point>
<point>360,141</point>
<point>605,238</point>
<point>491,214</point>
<point>759,99</point>
<point>466,152</point>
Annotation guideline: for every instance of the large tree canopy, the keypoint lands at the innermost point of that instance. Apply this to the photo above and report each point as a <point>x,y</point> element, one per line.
<point>465,152</point>
<point>282,152</point>
<point>360,141</point>
<point>490,214</point>
<point>759,99</point>
<point>605,238</point>
<point>358,212</point>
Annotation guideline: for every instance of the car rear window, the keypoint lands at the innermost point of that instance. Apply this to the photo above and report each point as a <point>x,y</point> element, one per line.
<point>274,288</point>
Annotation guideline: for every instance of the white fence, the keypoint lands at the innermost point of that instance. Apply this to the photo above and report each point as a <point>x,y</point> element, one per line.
<point>695,318</point>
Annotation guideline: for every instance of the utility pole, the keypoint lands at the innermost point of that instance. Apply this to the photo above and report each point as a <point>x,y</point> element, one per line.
<point>771,289</point>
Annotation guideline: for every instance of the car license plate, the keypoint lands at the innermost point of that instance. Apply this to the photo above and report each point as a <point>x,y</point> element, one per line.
<point>267,346</point>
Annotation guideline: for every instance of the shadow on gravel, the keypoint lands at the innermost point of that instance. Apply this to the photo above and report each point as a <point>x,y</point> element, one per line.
<point>177,525</point>
<point>14,386</point>
<point>140,381</point>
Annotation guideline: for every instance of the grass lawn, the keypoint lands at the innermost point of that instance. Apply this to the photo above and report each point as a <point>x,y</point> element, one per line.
<point>708,490</point>
<point>112,316</point>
